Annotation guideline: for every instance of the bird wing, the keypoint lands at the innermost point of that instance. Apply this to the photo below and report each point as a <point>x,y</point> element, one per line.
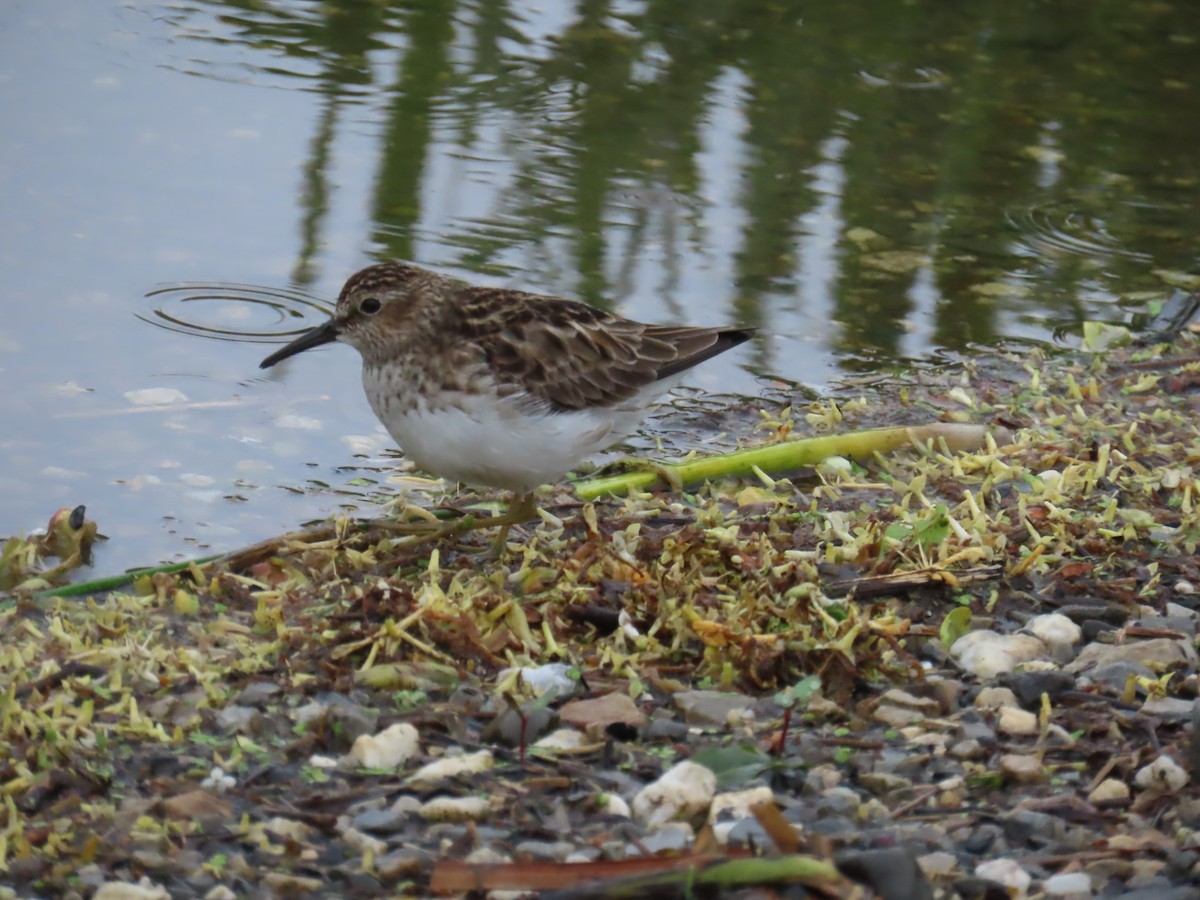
<point>571,356</point>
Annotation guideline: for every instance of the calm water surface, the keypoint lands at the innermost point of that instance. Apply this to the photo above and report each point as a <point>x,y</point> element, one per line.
<point>865,182</point>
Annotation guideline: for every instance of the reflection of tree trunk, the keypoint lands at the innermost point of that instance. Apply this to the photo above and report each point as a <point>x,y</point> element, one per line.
<point>314,196</point>
<point>424,72</point>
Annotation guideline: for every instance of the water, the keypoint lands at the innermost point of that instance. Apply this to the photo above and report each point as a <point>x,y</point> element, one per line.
<point>865,183</point>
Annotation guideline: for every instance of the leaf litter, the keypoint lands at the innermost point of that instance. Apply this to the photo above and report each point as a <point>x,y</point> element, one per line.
<point>233,727</point>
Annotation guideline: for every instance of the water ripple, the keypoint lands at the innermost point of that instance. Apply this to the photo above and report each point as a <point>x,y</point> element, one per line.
<point>233,312</point>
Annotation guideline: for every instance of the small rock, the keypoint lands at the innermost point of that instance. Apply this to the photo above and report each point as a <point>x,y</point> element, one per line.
<point>968,749</point>
<point>259,693</point>
<point>1110,790</point>
<point>822,778</point>
<point>557,679</point>
<point>883,783</point>
<point>220,892</point>
<point>1006,872</point>
<point>737,804</point>
<point>597,713</point>
<point>745,834</point>
<point>1115,675</point>
<point>672,837</point>
<point>995,698</point>
<point>683,791</point>
<point>1156,653</point>
<point>986,654</point>
<point>363,843</point>
<point>710,708</point>
<point>613,805</point>
<point>892,873</point>
<point>1168,708</point>
<point>896,716</point>
<point>938,865</point>
<point>1110,613</point>
<point>1017,721</point>
<point>1030,686</point>
<point>561,739</point>
<point>434,773</point>
<point>1022,768</point>
<point>839,801</point>
<point>924,705</point>
<point>514,728</point>
<point>1057,632</point>
<point>123,890</point>
<point>1164,775</point>
<point>381,821</point>
<point>456,809</point>
<point>291,829</point>
<point>287,884</point>
<point>1029,827</point>
<point>242,719</point>
<point>348,718</point>
<point>1068,884</point>
<point>389,749</point>
<point>198,806</point>
<point>1182,624</point>
<point>398,863</point>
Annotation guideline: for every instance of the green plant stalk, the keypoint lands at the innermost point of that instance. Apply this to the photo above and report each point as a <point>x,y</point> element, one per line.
<point>112,582</point>
<point>775,458</point>
<point>786,456</point>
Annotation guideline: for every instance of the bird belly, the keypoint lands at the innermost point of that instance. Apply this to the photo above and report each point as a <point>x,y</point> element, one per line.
<point>487,441</point>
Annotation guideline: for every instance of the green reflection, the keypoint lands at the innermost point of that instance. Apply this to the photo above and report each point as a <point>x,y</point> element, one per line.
<point>992,166</point>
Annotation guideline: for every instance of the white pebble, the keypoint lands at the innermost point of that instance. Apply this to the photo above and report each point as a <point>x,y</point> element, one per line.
<point>1008,873</point>
<point>986,654</point>
<point>1017,721</point>
<point>1164,775</point>
<point>1067,884</point>
<point>1109,790</point>
<point>389,749</point>
<point>441,769</point>
<point>614,805</point>
<point>1055,630</point>
<point>683,791</point>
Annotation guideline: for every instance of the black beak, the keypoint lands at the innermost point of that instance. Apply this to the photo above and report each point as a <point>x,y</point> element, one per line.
<point>322,334</point>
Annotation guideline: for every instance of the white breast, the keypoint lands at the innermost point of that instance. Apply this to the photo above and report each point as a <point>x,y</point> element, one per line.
<point>481,439</point>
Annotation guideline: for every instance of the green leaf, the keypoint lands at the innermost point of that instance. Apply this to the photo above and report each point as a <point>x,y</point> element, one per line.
<point>955,625</point>
<point>733,765</point>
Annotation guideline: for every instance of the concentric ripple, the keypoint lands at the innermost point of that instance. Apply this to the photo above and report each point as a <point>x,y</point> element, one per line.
<point>1067,228</point>
<point>234,312</point>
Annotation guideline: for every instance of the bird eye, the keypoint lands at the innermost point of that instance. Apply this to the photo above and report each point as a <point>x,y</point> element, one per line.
<point>370,306</point>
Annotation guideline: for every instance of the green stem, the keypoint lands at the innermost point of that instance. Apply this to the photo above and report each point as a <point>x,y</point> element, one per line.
<point>788,456</point>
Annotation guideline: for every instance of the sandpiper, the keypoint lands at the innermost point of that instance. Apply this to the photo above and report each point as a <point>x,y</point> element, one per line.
<point>498,387</point>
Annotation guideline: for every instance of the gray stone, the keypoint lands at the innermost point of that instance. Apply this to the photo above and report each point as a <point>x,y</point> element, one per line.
<point>1168,708</point>
<point>242,719</point>
<point>839,801</point>
<point>1156,653</point>
<point>346,718</point>
<point>710,708</point>
<point>892,873</point>
<point>748,834</point>
<point>1111,614</point>
<point>398,863</point>
<point>1029,686</point>
<point>1182,624</point>
<point>881,784</point>
<point>672,839</point>
<point>1114,675</point>
<point>381,821</point>
<point>259,693</point>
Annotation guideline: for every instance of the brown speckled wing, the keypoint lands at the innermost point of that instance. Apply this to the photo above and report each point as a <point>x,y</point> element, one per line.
<point>573,356</point>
